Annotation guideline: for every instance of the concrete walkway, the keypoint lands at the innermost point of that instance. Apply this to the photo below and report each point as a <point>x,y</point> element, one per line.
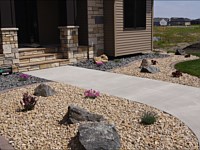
<point>178,100</point>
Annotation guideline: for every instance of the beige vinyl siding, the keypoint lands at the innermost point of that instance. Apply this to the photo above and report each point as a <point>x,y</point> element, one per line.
<point>109,48</point>
<point>132,41</point>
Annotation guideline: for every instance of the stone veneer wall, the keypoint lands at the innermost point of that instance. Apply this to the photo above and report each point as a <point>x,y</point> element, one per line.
<point>9,46</point>
<point>70,47</point>
<point>95,25</point>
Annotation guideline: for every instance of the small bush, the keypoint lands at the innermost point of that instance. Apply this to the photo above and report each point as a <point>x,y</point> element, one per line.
<point>187,55</point>
<point>177,74</point>
<point>148,118</point>
<point>117,60</point>
<point>28,102</point>
<point>154,62</point>
<point>91,94</point>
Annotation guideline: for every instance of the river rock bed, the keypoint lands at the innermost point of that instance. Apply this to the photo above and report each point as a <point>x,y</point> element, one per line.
<point>166,66</point>
<point>118,62</point>
<point>40,128</point>
<point>12,81</point>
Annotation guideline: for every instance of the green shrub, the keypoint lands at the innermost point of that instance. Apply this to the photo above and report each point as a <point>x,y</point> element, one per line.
<point>117,60</point>
<point>148,118</point>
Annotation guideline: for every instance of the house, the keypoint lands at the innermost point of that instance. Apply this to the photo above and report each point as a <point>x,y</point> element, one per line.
<point>195,22</point>
<point>180,22</point>
<point>72,30</point>
<point>161,21</point>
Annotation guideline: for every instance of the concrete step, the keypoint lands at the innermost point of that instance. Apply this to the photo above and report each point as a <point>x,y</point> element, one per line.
<point>40,57</point>
<point>23,67</point>
<point>32,51</point>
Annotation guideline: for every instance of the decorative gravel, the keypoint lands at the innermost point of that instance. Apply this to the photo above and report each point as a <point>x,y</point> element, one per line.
<point>40,128</point>
<point>166,66</point>
<point>12,81</point>
<point>119,62</point>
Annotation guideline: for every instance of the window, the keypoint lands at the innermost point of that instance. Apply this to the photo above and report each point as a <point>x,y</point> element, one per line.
<point>134,14</point>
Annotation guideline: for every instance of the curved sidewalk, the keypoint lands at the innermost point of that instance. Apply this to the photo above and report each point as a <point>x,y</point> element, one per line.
<point>178,100</point>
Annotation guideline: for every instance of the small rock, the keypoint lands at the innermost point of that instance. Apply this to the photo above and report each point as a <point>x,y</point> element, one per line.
<point>150,69</point>
<point>145,63</point>
<point>44,90</point>
<point>180,52</point>
<point>76,114</point>
<point>98,136</point>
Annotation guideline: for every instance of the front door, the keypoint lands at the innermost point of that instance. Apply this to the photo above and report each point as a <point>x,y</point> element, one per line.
<point>27,21</point>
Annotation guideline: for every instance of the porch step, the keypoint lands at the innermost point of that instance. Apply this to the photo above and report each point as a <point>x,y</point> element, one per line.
<point>32,51</point>
<point>39,57</point>
<point>42,64</point>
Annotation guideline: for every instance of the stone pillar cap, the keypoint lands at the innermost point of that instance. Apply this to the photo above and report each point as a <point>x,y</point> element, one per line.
<point>9,29</point>
<point>68,27</point>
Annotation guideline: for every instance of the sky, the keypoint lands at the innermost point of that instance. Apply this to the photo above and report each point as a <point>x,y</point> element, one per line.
<point>177,8</point>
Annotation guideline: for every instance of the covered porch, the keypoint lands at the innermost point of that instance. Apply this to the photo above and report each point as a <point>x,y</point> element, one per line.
<point>70,26</point>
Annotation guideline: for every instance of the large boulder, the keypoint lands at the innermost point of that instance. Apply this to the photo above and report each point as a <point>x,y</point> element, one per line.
<point>98,136</point>
<point>76,114</point>
<point>180,52</point>
<point>44,90</point>
<point>150,69</point>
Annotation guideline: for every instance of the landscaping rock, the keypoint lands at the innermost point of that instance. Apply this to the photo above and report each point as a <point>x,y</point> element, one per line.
<point>150,69</point>
<point>12,81</point>
<point>103,58</point>
<point>76,114</point>
<point>166,66</point>
<point>145,63</point>
<point>112,64</point>
<point>44,90</point>
<point>180,52</point>
<point>98,136</point>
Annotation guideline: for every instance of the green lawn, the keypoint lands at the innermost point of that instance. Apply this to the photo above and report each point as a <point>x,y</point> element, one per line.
<point>191,67</point>
<point>196,54</point>
<point>171,36</point>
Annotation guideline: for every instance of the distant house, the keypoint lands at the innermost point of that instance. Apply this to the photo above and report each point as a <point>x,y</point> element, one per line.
<point>195,22</point>
<point>180,22</point>
<point>161,21</point>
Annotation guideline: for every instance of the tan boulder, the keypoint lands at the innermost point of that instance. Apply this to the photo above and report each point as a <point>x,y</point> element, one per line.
<point>103,58</point>
<point>145,63</point>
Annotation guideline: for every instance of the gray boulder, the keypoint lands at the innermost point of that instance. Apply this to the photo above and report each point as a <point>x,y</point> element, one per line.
<point>44,90</point>
<point>76,114</point>
<point>180,52</point>
<point>98,136</point>
<point>150,69</point>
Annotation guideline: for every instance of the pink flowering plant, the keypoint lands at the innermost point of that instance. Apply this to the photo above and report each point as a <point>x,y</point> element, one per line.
<point>99,63</point>
<point>91,93</point>
<point>23,77</point>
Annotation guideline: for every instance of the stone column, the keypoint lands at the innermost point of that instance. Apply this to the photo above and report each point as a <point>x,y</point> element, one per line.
<point>9,46</point>
<point>69,42</point>
<point>96,26</point>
